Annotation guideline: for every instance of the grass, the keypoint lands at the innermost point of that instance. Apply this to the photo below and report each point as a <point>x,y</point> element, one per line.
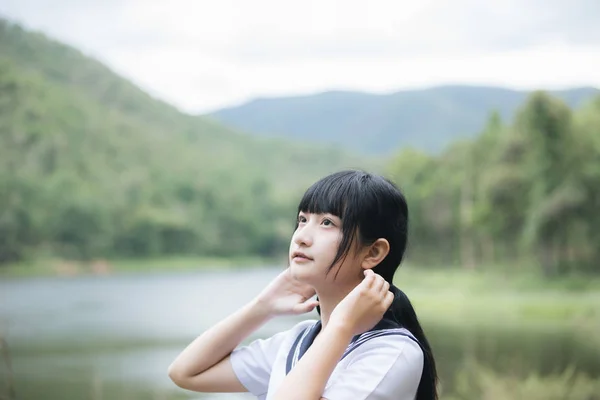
<point>490,296</point>
<point>498,278</point>
<point>479,382</point>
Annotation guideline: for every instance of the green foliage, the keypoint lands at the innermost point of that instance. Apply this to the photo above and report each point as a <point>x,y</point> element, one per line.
<point>517,193</point>
<point>91,166</point>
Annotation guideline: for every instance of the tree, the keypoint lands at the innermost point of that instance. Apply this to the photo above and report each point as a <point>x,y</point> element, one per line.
<point>545,124</point>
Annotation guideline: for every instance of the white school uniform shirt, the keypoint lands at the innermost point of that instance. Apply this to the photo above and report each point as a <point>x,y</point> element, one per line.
<point>384,363</point>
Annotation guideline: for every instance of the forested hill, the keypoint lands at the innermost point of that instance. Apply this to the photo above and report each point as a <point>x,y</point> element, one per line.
<point>424,119</point>
<point>90,165</point>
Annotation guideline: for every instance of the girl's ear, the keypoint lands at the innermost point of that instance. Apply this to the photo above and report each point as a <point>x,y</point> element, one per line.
<point>375,253</point>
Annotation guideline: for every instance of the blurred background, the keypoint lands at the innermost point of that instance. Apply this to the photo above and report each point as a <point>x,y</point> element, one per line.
<point>152,155</point>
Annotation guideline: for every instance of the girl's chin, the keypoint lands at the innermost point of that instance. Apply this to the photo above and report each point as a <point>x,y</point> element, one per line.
<point>305,274</point>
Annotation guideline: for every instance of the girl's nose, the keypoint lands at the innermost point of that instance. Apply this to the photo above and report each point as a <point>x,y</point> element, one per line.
<point>303,237</point>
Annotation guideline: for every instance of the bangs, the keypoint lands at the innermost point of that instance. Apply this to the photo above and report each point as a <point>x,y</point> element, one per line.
<point>327,196</point>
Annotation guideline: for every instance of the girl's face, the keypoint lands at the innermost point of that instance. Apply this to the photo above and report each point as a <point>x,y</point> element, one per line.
<point>313,248</point>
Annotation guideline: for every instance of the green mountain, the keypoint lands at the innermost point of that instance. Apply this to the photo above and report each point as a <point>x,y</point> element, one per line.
<point>426,119</point>
<point>92,166</point>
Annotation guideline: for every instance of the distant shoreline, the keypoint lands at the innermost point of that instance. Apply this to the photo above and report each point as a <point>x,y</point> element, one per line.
<point>102,267</point>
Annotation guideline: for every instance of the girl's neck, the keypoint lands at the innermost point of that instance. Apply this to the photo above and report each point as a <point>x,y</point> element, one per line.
<point>329,299</point>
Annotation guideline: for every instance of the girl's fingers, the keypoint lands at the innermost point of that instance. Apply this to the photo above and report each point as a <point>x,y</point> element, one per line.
<point>389,298</point>
<point>378,284</point>
<point>369,278</point>
<point>385,287</point>
<point>305,307</point>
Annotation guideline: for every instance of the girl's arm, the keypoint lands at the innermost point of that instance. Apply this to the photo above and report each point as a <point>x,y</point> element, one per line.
<point>356,313</point>
<point>204,365</point>
<point>308,378</point>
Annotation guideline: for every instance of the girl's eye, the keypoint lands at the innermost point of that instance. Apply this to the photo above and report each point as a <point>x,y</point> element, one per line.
<point>328,222</point>
<point>301,219</point>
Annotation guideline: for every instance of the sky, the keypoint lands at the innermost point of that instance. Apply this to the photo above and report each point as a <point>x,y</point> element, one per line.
<point>202,55</point>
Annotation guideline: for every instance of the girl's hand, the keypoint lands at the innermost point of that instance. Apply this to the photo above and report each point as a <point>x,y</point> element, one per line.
<point>286,296</point>
<point>364,306</point>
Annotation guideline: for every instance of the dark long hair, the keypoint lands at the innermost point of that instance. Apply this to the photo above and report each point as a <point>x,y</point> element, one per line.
<point>372,207</point>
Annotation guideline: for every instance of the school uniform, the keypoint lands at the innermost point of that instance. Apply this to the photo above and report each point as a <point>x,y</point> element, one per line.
<point>384,363</point>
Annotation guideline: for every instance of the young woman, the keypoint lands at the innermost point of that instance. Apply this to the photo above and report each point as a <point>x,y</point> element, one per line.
<point>350,238</point>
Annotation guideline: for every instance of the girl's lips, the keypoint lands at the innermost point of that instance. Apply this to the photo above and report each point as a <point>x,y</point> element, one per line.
<point>301,258</point>
<point>298,256</point>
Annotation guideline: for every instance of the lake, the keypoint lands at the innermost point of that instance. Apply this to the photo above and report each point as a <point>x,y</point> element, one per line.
<point>113,337</point>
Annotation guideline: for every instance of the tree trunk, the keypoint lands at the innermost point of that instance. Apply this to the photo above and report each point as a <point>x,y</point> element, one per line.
<point>467,245</point>
<point>487,247</point>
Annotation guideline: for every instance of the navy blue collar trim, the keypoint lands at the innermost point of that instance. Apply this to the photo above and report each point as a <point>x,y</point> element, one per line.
<point>306,338</point>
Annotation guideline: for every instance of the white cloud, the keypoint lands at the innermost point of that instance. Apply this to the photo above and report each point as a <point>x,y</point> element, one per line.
<point>203,54</point>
